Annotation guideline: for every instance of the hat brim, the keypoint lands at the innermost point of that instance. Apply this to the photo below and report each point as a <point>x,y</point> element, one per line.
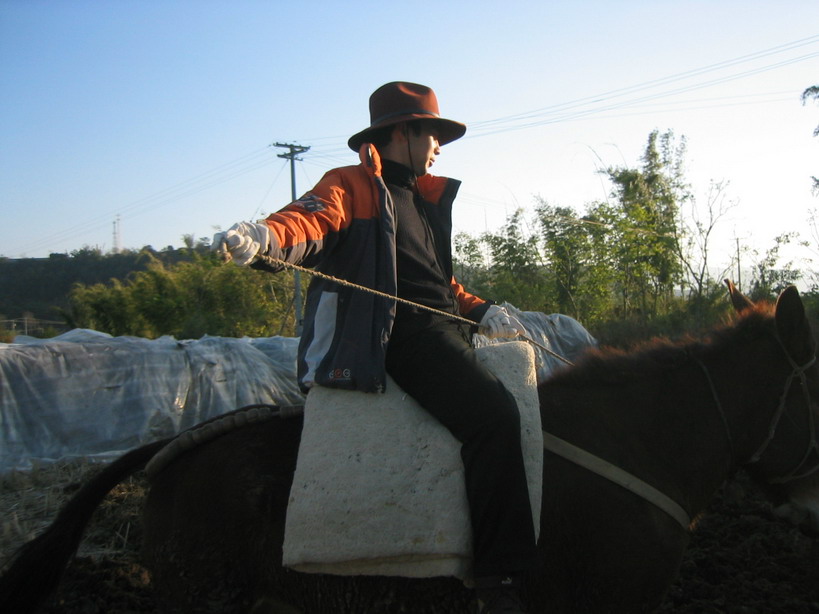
<point>448,130</point>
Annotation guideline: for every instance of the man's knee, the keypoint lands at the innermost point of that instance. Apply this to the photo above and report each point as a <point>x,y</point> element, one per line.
<point>502,417</point>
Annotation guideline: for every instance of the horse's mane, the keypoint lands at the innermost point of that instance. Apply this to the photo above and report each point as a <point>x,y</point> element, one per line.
<point>660,354</point>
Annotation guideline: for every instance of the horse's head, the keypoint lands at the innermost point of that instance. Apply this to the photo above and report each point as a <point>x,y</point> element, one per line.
<point>787,462</point>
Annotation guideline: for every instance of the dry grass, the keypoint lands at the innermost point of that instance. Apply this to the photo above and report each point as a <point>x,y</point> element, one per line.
<point>105,577</point>
<point>29,501</point>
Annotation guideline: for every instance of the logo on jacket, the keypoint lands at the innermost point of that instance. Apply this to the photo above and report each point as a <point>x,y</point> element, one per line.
<point>311,203</point>
<point>340,375</point>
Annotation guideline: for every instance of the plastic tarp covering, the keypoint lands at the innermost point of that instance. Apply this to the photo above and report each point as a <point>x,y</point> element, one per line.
<point>86,393</point>
<point>561,334</point>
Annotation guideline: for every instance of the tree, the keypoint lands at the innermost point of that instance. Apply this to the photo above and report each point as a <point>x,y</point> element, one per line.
<point>812,92</point>
<point>565,248</point>
<point>770,276</point>
<point>580,277</point>
<point>470,263</point>
<point>516,272</point>
<point>694,244</point>
<point>647,225</point>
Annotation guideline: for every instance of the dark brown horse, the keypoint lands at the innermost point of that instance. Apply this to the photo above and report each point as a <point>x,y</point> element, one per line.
<point>681,417</point>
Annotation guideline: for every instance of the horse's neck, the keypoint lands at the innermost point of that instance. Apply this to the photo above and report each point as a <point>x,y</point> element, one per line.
<point>666,429</point>
<point>743,388</point>
<point>748,384</point>
<point>687,440</point>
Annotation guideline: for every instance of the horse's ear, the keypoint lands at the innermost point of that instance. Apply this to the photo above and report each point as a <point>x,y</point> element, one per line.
<point>738,300</point>
<point>793,326</point>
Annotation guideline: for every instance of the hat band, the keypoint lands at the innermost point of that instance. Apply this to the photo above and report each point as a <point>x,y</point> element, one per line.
<point>384,118</point>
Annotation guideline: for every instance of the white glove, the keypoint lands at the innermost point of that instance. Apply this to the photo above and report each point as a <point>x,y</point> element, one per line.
<point>497,322</point>
<point>242,242</point>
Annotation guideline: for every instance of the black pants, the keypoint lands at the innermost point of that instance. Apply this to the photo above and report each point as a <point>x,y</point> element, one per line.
<point>439,369</point>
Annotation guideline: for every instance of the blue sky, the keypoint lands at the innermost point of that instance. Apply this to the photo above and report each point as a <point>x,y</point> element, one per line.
<point>162,112</point>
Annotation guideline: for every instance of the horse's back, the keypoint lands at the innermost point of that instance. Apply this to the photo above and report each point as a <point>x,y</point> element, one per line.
<point>214,528</point>
<point>214,518</point>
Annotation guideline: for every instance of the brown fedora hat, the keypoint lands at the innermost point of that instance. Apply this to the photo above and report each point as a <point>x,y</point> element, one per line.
<point>399,101</point>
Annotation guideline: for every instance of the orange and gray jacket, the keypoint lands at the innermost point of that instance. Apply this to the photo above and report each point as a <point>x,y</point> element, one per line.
<point>345,227</point>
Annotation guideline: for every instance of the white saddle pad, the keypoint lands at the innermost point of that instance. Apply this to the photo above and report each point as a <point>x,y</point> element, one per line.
<point>379,483</point>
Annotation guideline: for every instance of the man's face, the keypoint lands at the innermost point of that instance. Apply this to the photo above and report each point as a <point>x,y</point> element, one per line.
<point>423,148</point>
<point>416,150</point>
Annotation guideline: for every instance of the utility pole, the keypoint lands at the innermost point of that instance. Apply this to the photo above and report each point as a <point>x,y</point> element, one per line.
<point>293,151</point>
<point>117,243</point>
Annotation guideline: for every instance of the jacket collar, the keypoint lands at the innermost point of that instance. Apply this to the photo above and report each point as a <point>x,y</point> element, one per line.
<point>431,187</point>
<point>370,158</point>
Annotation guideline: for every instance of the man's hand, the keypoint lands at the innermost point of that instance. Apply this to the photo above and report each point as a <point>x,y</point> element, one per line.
<point>242,242</point>
<point>497,322</point>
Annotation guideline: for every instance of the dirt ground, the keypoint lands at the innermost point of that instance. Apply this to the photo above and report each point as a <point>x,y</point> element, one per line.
<point>741,560</point>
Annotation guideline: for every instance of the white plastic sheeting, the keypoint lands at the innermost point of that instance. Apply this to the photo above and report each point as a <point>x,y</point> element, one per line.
<point>86,393</point>
<point>560,334</point>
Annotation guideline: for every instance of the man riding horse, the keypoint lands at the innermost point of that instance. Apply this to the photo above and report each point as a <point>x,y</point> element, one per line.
<point>386,224</point>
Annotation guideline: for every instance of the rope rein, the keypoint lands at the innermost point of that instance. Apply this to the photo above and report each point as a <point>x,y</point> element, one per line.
<point>813,446</point>
<point>276,262</point>
<point>798,371</point>
<point>720,410</point>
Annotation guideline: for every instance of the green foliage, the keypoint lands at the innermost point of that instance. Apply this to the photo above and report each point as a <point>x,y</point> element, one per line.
<point>630,267</point>
<point>580,273</point>
<point>621,256</point>
<point>470,263</point>
<point>682,318</point>
<point>187,300</point>
<point>516,272</point>
<point>41,286</point>
<point>646,225</point>
<point>770,276</point>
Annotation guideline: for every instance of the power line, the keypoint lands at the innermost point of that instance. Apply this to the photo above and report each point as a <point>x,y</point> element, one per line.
<point>579,111</point>
<point>333,151</point>
<point>218,175</point>
<point>267,193</point>
<point>651,83</point>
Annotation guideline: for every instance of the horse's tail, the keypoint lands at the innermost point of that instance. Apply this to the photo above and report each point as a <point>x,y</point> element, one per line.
<point>38,565</point>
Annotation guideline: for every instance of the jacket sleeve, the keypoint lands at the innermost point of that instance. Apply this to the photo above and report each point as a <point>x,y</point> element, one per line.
<point>309,227</point>
<point>470,306</point>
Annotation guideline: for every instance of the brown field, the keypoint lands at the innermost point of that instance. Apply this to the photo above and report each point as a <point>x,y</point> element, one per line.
<point>741,560</point>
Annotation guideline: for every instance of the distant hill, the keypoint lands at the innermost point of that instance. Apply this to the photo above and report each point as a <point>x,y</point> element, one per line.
<point>40,286</point>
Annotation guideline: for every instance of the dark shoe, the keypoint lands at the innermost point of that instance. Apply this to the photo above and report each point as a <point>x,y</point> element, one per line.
<point>499,595</point>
